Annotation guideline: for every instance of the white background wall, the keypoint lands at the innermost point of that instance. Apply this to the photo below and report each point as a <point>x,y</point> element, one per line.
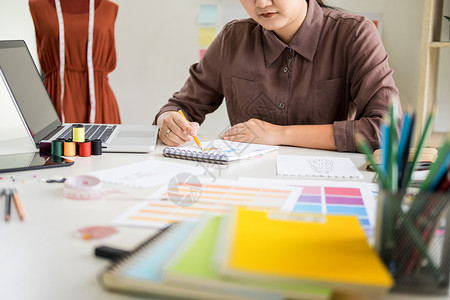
<point>157,42</point>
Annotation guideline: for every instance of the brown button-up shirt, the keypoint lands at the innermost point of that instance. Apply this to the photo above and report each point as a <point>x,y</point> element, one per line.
<point>334,71</point>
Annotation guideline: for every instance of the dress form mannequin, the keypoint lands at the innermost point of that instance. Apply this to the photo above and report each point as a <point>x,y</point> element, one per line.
<point>75,7</point>
<point>81,92</point>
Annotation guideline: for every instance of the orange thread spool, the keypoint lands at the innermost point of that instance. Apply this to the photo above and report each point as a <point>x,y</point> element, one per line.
<point>70,149</point>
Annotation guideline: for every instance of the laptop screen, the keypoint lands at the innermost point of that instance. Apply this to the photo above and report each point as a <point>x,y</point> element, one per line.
<point>27,89</point>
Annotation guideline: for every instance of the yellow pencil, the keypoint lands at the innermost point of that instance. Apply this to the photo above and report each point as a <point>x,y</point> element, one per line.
<point>195,137</point>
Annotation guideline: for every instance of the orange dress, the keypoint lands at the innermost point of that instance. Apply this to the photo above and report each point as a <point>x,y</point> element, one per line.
<point>76,103</point>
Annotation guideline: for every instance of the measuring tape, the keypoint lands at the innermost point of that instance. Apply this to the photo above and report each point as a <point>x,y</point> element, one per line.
<point>84,187</point>
<point>90,64</point>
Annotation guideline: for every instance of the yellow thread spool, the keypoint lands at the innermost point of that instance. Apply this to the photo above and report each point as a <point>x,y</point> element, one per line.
<point>78,133</point>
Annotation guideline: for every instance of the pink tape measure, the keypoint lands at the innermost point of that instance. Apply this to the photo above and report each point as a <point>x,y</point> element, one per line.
<point>83,187</point>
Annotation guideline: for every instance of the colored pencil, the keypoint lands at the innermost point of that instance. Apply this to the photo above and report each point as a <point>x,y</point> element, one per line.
<point>365,148</point>
<point>18,204</point>
<point>420,145</point>
<point>438,168</point>
<point>404,151</point>
<point>392,158</point>
<point>384,128</point>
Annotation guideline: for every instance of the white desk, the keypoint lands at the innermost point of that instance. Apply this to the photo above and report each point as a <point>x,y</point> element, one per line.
<point>43,258</point>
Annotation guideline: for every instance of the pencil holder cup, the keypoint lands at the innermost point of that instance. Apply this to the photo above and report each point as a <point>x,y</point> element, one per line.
<point>413,240</point>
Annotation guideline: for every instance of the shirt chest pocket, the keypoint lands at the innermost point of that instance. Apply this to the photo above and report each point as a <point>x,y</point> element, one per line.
<point>246,101</point>
<point>329,101</point>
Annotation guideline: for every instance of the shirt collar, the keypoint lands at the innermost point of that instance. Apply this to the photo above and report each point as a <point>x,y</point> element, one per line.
<point>305,40</point>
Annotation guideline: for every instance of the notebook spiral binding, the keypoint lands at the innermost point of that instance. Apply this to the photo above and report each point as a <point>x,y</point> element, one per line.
<point>213,158</point>
<point>153,239</point>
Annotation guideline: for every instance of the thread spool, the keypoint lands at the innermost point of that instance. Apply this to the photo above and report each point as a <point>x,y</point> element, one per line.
<point>96,147</point>
<point>84,149</point>
<point>78,133</point>
<point>57,147</point>
<point>70,149</point>
<point>45,148</point>
<point>56,159</point>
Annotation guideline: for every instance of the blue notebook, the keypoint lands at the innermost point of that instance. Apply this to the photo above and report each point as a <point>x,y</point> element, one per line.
<point>140,271</point>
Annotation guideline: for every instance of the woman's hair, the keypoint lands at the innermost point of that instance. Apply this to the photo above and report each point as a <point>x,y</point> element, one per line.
<point>321,4</point>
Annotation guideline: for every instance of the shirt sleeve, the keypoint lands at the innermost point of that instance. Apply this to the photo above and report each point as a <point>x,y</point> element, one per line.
<point>202,93</point>
<point>372,88</point>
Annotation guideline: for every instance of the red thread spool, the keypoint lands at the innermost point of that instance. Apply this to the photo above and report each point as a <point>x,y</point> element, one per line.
<point>84,149</point>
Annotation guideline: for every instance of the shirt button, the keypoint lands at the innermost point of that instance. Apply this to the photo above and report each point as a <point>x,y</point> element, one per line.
<point>282,105</point>
<point>285,69</point>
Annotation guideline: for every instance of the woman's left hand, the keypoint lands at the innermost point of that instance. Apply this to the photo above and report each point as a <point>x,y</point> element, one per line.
<point>254,131</point>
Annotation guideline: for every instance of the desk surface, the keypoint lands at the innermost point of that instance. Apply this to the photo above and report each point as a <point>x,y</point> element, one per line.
<point>43,258</point>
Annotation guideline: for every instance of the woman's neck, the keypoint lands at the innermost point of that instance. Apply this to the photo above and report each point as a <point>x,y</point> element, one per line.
<point>286,34</point>
<point>75,6</point>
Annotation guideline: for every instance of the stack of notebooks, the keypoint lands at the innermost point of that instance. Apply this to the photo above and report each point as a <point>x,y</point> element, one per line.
<point>247,254</point>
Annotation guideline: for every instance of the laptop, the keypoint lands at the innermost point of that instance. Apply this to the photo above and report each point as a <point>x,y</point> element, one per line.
<point>39,115</point>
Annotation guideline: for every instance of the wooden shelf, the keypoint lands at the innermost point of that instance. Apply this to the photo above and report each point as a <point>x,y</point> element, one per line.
<point>440,44</point>
<point>429,60</point>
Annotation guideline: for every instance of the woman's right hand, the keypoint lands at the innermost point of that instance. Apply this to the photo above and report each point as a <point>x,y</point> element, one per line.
<point>174,130</point>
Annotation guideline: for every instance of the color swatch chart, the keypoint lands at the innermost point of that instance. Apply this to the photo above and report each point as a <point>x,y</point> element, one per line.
<point>333,201</point>
<point>187,201</point>
<point>334,198</point>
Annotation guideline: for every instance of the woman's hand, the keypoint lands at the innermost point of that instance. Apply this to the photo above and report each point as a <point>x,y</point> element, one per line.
<point>254,131</point>
<point>174,130</point>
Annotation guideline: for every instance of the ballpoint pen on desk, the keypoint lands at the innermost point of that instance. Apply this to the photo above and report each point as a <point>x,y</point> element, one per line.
<point>7,194</point>
<point>195,137</point>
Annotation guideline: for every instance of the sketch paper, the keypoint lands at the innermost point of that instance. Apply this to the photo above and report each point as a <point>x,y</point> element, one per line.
<point>145,174</point>
<point>317,166</point>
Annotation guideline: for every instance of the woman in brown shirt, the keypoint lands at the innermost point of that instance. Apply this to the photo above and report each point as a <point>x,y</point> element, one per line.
<point>298,73</point>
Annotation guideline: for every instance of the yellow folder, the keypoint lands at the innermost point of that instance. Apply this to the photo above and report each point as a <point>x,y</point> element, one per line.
<point>323,250</point>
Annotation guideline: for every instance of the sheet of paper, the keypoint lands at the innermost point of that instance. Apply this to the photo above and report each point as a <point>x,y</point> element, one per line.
<point>317,166</point>
<point>187,200</point>
<point>327,197</point>
<point>207,14</point>
<point>206,35</point>
<point>147,173</point>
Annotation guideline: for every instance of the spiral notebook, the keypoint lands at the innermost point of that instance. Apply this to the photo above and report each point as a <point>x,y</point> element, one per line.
<point>140,271</point>
<point>218,151</point>
<point>193,265</point>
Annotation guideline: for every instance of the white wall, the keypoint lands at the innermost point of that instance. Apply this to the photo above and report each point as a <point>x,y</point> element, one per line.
<point>157,42</point>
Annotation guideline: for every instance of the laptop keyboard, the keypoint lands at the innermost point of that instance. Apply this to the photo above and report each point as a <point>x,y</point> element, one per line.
<point>92,132</point>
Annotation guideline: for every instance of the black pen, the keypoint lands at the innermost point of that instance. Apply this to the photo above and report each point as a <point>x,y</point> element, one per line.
<point>7,204</point>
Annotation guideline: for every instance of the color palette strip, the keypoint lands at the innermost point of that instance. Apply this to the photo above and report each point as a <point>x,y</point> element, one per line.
<point>209,199</point>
